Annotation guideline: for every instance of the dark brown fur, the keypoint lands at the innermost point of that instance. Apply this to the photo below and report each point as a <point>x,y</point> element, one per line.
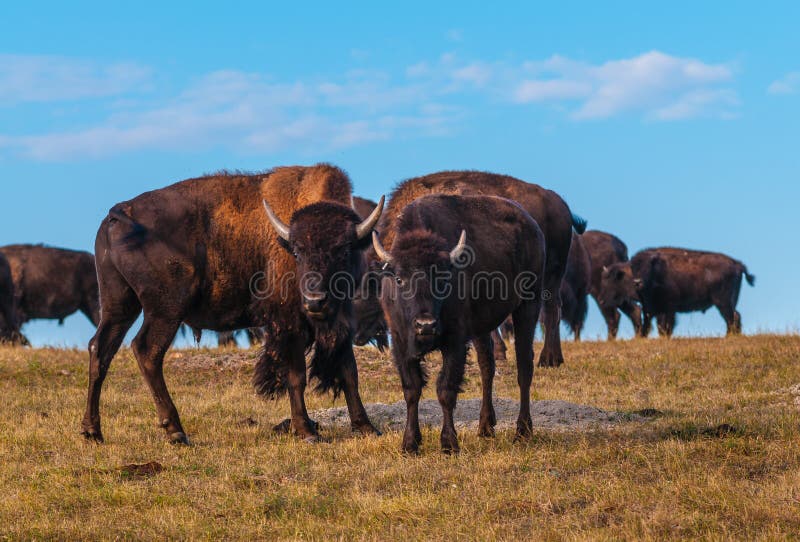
<point>546,207</point>
<point>372,326</point>
<point>670,280</point>
<point>9,325</point>
<point>202,252</point>
<point>504,243</point>
<point>52,283</point>
<point>606,250</point>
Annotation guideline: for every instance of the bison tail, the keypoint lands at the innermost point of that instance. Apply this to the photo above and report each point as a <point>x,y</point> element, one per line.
<point>578,223</point>
<point>270,375</point>
<point>751,279</point>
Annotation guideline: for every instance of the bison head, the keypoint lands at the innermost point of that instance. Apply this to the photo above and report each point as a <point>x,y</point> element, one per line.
<point>326,240</point>
<point>617,285</point>
<point>416,282</point>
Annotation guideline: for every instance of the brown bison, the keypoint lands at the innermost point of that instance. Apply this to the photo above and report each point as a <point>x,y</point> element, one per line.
<point>202,251</point>
<point>545,206</point>
<point>52,283</point>
<point>9,325</point>
<point>458,265</point>
<point>606,250</point>
<point>671,280</point>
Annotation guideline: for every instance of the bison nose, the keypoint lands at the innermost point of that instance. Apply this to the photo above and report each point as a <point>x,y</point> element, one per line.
<point>425,326</point>
<point>316,302</point>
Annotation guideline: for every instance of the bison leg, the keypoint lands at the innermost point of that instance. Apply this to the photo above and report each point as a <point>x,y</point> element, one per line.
<point>498,345</point>
<point>666,323</point>
<point>733,320</point>
<point>359,421</point>
<point>483,349</point>
<point>737,323</point>
<point>149,347</point>
<point>454,359</point>
<point>551,355</point>
<point>634,313</point>
<point>525,318</point>
<point>413,379</point>
<point>647,322</point>
<point>120,314</point>
<point>301,424</point>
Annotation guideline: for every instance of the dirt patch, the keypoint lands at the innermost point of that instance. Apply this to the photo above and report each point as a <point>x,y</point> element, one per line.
<point>553,415</point>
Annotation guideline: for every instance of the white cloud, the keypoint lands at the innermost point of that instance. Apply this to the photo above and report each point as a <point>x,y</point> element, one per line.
<point>656,84</point>
<point>253,112</point>
<point>788,84</point>
<point>32,78</point>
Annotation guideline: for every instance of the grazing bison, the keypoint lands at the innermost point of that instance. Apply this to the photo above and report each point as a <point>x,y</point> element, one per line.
<point>201,251</point>
<point>52,283</point>
<point>372,325</point>
<point>9,325</point>
<point>671,280</point>
<point>606,250</point>
<point>458,265</point>
<point>545,206</point>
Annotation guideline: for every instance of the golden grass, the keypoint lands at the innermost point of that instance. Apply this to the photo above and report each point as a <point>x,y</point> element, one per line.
<point>681,475</point>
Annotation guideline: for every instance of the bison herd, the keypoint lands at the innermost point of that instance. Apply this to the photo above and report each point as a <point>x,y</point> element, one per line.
<point>290,255</point>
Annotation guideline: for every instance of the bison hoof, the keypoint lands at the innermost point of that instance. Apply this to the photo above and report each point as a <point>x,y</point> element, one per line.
<point>550,360</point>
<point>93,434</point>
<point>179,437</point>
<point>486,431</point>
<point>283,427</point>
<point>524,431</point>
<point>312,439</point>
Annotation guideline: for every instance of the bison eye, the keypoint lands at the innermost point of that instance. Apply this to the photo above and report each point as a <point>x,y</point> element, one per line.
<point>399,281</point>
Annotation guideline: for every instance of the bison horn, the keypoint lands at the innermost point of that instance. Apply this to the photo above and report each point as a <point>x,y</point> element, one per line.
<point>455,254</point>
<point>363,229</point>
<point>280,228</point>
<point>379,250</point>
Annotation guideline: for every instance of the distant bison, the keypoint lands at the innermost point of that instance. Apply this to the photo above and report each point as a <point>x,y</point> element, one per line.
<point>9,325</point>
<point>453,274</point>
<point>52,283</point>
<point>203,252</point>
<point>546,207</point>
<point>604,251</point>
<point>671,280</point>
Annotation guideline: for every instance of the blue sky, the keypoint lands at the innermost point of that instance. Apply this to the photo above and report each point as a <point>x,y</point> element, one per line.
<point>675,124</point>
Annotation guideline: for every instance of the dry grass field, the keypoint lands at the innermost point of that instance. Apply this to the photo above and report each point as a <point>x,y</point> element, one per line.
<point>717,458</point>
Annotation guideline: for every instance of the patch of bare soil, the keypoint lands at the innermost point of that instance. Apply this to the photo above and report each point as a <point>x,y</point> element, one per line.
<point>551,414</point>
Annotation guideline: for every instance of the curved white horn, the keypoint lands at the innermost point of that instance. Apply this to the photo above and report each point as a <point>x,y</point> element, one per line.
<point>363,229</point>
<point>455,254</point>
<point>379,250</point>
<point>280,228</point>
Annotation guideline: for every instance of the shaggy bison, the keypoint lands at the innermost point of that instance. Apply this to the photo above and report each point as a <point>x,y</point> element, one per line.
<point>458,265</point>
<point>545,206</point>
<point>203,252</point>
<point>604,251</point>
<point>52,283</point>
<point>671,280</point>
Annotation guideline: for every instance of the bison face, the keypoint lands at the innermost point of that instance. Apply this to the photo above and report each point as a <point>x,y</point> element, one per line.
<point>416,283</point>
<point>617,285</point>
<point>326,240</point>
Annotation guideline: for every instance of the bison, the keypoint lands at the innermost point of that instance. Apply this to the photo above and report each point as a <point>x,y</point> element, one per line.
<point>52,283</point>
<point>545,206</point>
<point>669,280</point>
<point>9,325</point>
<point>458,265</point>
<point>604,251</point>
<point>202,251</point>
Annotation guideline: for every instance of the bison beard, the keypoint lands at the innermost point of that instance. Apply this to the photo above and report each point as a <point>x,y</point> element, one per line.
<point>330,339</point>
